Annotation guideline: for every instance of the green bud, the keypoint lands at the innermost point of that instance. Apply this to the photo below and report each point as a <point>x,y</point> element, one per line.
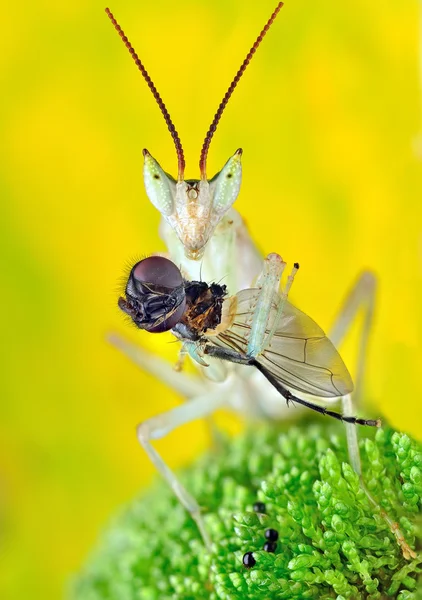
<point>332,541</point>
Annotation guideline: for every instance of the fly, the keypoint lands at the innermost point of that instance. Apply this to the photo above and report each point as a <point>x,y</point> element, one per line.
<point>159,299</point>
<point>293,353</point>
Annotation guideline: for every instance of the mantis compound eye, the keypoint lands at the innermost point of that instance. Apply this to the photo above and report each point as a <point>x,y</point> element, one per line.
<point>155,295</point>
<point>160,187</point>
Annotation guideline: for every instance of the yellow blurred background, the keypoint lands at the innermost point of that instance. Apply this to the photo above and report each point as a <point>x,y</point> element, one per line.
<point>328,115</point>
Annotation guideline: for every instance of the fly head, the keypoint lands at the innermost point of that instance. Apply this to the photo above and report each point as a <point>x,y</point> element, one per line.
<point>155,295</point>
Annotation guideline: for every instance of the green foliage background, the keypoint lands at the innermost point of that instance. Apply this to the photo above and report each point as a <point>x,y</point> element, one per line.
<point>332,543</point>
<point>328,115</point>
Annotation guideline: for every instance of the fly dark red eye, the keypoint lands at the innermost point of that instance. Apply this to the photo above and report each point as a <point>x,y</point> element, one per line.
<point>155,295</point>
<point>158,271</point>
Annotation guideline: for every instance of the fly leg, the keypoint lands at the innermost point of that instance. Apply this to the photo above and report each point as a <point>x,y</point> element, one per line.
<point>159,426</point>
<point>362,297</point>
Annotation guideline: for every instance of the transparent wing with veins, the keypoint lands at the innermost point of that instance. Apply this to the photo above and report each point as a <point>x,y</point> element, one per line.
<point>298,353</point>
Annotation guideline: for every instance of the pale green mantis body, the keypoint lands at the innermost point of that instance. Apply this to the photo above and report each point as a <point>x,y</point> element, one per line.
<point>208,240</point>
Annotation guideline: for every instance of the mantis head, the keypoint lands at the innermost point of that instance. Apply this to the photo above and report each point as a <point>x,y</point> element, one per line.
<point>193,207</point>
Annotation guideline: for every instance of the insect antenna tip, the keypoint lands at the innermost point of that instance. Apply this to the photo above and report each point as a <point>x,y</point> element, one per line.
<point>156,95</point>
<point>210,133</point>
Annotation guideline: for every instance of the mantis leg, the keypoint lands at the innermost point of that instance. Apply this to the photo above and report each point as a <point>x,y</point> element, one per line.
<point>159,426</point>
<point>362,297</point>
<point>186,386</point>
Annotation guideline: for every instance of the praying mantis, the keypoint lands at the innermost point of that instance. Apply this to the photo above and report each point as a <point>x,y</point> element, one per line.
<point>208,240</point>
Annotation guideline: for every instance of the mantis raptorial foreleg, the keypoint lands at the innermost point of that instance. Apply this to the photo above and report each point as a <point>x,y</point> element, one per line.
<point>269,283</point>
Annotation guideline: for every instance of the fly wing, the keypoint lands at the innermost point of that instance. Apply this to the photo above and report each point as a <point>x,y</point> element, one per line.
<point>299,353</point>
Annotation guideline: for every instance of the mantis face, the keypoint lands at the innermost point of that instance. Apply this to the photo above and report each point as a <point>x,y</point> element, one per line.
<point>193,207</point>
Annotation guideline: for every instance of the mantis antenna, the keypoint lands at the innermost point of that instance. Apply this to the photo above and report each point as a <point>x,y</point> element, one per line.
<point>158,99</point>
<point>223,104</point>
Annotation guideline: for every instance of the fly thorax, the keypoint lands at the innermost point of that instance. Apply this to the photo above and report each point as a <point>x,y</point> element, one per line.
<point>228,315</point>
<point>203,306</point>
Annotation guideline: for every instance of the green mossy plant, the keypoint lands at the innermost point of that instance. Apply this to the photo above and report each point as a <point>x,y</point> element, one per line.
<point>332,542</point>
